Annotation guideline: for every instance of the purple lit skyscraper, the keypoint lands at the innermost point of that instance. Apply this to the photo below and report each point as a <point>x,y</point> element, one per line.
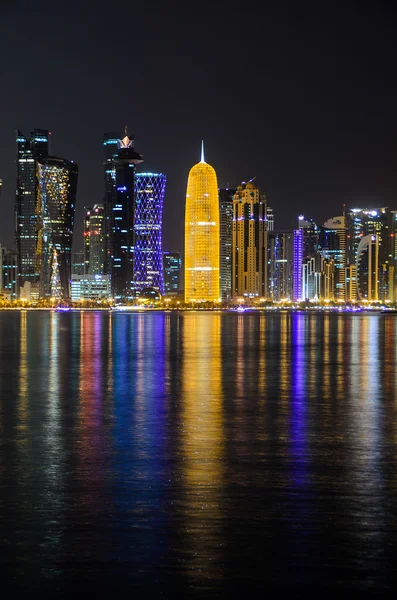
<point>298,257</point>
<point>148,223</point>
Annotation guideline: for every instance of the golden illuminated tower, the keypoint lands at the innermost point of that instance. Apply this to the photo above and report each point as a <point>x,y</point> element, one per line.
<point>202,282</point>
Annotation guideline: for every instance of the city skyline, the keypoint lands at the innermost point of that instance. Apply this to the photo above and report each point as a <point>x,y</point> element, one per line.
<point>319,131</point>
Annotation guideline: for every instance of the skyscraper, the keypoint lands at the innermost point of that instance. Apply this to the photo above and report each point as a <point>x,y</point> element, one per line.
<point>202,234</point>
<point>94,240</point>
<point>281,263</point>
<point>367,268</point>
<point>298,261</point>
<point>332,246</point>
<point>56,200</point>
<point>172,271</point>
<point>226,238</point>
<point>8,273</point>
<point>249,242</point>
<point>122,209</point>
<point>29,151</point>
<point>372,222</point>
<point>111,141</point>
<point>148,224</point>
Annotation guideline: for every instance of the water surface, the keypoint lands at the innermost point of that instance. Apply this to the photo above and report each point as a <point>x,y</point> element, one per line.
<point>213,453</point>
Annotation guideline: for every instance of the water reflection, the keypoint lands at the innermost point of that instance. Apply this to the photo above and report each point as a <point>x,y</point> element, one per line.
<point>205,449</point>
<point>202,448</point>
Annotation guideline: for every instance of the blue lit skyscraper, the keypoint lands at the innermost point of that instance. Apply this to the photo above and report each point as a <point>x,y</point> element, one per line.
<point>148,223</point>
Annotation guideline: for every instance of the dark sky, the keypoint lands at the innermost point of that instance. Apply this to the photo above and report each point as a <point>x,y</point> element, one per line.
<point>302,95</point>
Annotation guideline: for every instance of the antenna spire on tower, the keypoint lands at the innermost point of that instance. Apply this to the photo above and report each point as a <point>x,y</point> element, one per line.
<point>202,151</point>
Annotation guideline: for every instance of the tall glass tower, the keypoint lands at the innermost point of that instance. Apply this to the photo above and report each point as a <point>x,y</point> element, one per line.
<point>226,239</point>
<point>56,200</point>
<point>148,224</point>
<point>94,240</point>
<point>111,141</point>
<point>202,275</point>
<point>29,151</point>
<point>122,211</point>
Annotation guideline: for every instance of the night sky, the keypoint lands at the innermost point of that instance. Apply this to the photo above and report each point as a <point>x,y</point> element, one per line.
<point>300,95</point>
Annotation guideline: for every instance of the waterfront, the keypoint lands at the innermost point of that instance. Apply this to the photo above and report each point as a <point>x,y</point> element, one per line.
<point>204,451</point>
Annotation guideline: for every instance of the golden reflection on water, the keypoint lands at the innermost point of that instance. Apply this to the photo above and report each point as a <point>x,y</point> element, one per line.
<point>23,378</point>
<point>202,445</point>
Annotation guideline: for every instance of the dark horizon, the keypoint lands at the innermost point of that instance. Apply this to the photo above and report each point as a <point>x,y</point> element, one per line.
<point>301,97</point>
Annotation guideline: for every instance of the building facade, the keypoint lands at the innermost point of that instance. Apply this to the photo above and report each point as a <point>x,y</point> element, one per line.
<point>249,259</point>
<point>202,235</point>
<point>56,201</point>
<point>280,265</point>
<point>148,226</point>
<point>226,237</point>
<point>367,269</point>
<point>94,240</point>
<point>90,287</point>
<point>172,264</point>
<point>332,246</point>
<point>8,273</point>
<point>29,151</point>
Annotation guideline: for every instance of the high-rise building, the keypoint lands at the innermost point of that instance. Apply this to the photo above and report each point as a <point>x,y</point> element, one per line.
<point>78,263</point>
<point>120,240</point>
<point>8,273</point>
<point>249,242</point>
<point>367,268</point>
<point>94,240</point>
<point>148,225</point>
<point>111,141</point>
<point>280,265</point>
<point>351,283</point>
<point>226,237</point>
<point>172,271</point>
<point>269,218</point>
<point>318,278</point>
<point>56,200</point>
<point>29,151</point>
<point>372,222</point>
<point>298,261</point>
<point>202,235</point>
<point>332,246</point>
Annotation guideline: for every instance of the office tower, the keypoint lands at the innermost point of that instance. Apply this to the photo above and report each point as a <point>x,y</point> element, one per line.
<point>8,273</point>
<point>310,233</point>
<point>280,265</point>
<point>332,246</point>
<point>56,200</point>
<point>78,263</point>
<point>367,268</point>
<point>364,222</point>
<point>28,153</point>
<point>351,283</point>
<point>111,141</point>
<point>269,218</point>
<point>318,278</point>
<point>120,240</point>
<point>148,225</point>
<point>202,235</point>
<point>226,235</point>
<point>94,240</point>
<point>298,260</point>
<point>249,242</point>
<point>172,271</point>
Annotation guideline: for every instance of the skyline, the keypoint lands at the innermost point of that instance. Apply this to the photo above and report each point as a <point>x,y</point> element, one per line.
<point>307,107</point>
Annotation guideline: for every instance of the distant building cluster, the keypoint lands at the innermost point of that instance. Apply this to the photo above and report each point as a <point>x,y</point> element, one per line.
<point>232,253</point>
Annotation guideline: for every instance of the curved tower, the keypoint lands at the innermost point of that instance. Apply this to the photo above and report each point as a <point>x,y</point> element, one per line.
<point>202,283</point>
<point>148,224</point>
